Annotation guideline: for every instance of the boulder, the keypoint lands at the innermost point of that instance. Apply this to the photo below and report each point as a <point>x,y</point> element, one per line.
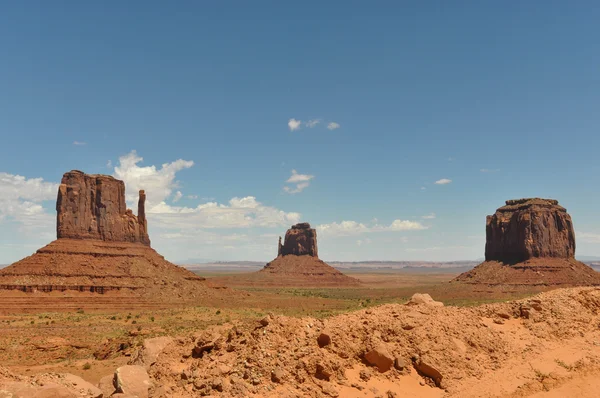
<point>83,388</point>
<point>300,240</point>
<point>93,207</point>
<point>106,384</point>
<point>150,351</point>
<point>324,339</point>
<point>529,228</point>
<point>380,357</point>
<point>424,299</point>
<point>132,380</point>
<point>428,370</point>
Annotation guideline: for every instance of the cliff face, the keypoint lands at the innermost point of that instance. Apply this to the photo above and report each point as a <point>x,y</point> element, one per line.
<point>93,207</point>
<point>300,240</point>
<point>529,228</point>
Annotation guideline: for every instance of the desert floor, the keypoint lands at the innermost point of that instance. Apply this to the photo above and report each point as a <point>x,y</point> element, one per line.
<point>91,336</point>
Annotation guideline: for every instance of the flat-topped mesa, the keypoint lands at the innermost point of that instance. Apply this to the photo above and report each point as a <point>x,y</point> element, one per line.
<point>93,207</point>
<point>300,240</point>
<point>529,228</point>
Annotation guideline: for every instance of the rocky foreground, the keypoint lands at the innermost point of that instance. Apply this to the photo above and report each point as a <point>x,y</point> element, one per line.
<point>550,342</point>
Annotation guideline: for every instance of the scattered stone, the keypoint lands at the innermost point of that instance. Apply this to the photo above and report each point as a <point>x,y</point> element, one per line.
<point>265,321</point>
<point>150,351</point>
<point>399,363</point>
<point>365,374</point>
<point>132,379</point>
<point>380,357</point>
<point>429,371</point>
<point>277,376</point>
<point>324,339</point>
<point>83,387</point>
<point>503,314</point>
<point>106,385</point>
<point>499,321</point>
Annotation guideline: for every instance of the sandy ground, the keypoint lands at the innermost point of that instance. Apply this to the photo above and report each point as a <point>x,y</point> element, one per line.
<point>557,356</point>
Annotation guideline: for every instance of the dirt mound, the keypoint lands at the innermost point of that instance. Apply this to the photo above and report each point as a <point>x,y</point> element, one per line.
<point>410,350</point>
<point>530,242</point>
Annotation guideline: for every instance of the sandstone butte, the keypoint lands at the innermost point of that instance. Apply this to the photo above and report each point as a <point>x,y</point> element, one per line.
<point>298,263</point>
<point>530,242</point>
<point>101,247</point>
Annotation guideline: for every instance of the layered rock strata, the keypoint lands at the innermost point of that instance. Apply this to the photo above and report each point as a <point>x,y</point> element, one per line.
<point>300,239</point>
<point>101,247</point>
<point>529,228</point>
<point>298,263</point>
<point>93,207</point>
<point>530,242</point>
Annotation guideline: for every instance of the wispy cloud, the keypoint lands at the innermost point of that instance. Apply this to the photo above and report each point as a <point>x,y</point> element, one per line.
<point>312,123</point>
<point>294,124</point>
<point>302,181</point>
<point>489,170</point>
<point>346,228</point>
<point>333,126</point>
<point>79,143</point>
<point>109,164</point>
<point>443,181</point>
<point>588,237</point>
<point>429,216</point>
<point>177,197</point>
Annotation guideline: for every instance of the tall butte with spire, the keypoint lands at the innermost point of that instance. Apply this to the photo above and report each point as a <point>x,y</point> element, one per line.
<point>530,242</point>
<point>298,263</point>
<point>101,246</point>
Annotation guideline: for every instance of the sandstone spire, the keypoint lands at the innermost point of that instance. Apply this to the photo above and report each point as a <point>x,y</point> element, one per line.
<point>93,207</point>
<point>300,240</point>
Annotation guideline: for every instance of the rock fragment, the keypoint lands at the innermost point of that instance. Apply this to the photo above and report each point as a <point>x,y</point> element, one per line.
<point>380,357</point>
<point>133,380</point>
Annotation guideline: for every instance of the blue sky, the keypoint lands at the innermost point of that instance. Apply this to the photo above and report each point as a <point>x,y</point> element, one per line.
<point>419,92</point>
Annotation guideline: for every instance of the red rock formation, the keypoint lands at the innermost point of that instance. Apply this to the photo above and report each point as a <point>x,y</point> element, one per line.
<point>300,240</point>
<point>93,207</point>
<point>298,263</point>
<point>530,242</point>
<point>529,228</point>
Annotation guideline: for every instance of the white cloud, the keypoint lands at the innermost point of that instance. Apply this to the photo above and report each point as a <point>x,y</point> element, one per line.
<point>588,237</point>
<point>21,201</point>
<point>294,124</point>
<point>109,164</point>
<point>302,182</point>
<point>312,123</point>
<point>404,225</point>
<point>243,212</point>
<point>361,242</point>
<point>192,196</point>
<point>295,177</point>
<point>443,181</point>
<point>79,143</point>
<point>158,183</point>
<point>346,228</point>
<point>436,248</point>
<point>177,197</point>
<point>333,126</point>
<point>429,216</point>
